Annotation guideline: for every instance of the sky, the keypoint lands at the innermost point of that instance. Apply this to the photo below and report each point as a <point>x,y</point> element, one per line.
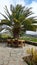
<point>28,3</point>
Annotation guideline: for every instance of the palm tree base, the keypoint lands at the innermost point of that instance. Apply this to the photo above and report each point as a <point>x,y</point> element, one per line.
<point>15,43</point>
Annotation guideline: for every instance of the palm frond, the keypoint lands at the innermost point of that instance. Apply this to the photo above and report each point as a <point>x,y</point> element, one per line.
<point>4,16</point>
<point>5,21</point>
<point>6,9</point>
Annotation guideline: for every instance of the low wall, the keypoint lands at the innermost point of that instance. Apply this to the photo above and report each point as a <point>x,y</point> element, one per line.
<point>31,43</point>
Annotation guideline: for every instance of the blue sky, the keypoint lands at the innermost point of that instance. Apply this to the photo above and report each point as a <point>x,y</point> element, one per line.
<point>29,3</point>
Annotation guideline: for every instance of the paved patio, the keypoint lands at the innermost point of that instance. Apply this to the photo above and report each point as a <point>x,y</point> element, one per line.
<point>12,56</point>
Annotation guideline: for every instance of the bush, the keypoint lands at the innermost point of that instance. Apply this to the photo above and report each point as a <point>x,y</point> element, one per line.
<point>31,60</point>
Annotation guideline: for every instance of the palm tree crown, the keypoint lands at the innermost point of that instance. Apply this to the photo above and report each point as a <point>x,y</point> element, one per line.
<point>18,19</point>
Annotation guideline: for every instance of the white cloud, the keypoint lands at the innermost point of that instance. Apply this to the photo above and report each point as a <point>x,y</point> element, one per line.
<point>8,2</point>
<point>20,2</point>
<point>2,5</point>
<point>14,2</point>
<point>34,7</point>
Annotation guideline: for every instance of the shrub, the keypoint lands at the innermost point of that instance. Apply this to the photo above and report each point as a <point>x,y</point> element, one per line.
<point>32,59</point>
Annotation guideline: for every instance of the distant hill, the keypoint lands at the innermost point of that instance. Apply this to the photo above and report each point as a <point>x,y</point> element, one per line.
<point>31,33</point>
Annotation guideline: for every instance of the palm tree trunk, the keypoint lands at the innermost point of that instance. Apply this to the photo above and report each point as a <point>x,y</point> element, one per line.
<point>16,33</point>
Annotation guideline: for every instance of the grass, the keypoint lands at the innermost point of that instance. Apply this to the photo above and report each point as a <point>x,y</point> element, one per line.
<point>24,37</point>
<point>29,38</point>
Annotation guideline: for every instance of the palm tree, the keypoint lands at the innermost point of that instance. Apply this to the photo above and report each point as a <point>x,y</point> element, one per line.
<point>18,19</point>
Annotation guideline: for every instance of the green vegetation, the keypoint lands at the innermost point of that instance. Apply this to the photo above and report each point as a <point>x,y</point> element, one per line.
<point>29,38</point>
<point>5,36</point>
<point>18,20</point>
<point>32,58</point>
